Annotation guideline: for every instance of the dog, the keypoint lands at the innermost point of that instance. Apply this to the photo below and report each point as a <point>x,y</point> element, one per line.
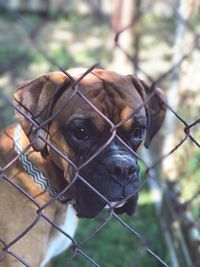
<point>58,132</point>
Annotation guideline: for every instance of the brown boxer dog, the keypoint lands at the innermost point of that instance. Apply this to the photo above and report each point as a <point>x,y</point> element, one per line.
<point>74,133</point>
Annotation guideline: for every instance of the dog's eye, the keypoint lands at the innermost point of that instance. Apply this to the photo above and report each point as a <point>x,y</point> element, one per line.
<point>138,135</point>
<point>80,133</point>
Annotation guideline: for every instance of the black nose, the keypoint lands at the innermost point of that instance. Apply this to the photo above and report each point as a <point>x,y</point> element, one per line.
<point>122,168</point>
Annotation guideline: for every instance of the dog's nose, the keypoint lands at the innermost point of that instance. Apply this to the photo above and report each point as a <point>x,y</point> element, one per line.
<point>124,168</point>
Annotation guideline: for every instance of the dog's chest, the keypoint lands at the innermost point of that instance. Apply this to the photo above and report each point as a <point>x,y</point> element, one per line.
<point>60,242</point>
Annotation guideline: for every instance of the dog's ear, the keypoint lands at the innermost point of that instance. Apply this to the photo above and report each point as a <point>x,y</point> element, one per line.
<point>155,107</point>
<point>34,101</point>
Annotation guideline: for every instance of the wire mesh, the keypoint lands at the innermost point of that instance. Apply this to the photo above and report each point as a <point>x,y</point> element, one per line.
<point>171,204</point>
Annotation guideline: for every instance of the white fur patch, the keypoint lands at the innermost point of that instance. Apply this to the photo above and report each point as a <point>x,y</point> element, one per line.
<point>60,243</point>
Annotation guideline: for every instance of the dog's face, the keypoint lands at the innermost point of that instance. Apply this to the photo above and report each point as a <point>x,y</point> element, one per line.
<point>79,131</point>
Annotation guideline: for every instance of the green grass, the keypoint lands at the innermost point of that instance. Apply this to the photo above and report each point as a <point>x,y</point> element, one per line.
<point>115,245</point>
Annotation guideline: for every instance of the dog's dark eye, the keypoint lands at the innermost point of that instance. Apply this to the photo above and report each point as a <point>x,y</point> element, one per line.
<point>138,135</point>
<point>80,133</point>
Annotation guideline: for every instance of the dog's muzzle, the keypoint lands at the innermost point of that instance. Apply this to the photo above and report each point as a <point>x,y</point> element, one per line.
<point>122,168</point>
<point>113,174</point>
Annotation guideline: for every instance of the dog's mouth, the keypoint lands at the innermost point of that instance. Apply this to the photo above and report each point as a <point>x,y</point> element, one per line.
<point>128,206</point>
<point>119,207</point>
<point>89,204</point>
<point>113,187</point>
<point>115,204</point>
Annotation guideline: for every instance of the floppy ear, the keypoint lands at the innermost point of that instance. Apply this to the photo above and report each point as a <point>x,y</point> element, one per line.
<point>155,107</point>
<point>35,100</point>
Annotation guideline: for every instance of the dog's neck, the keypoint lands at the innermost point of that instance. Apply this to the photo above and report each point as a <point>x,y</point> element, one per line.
<point>41,170</point>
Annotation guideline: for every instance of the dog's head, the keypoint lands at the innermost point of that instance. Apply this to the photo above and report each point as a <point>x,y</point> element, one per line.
<point>79,131</point>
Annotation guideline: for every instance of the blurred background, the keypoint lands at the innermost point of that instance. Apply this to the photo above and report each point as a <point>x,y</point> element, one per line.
<point>159,41</point>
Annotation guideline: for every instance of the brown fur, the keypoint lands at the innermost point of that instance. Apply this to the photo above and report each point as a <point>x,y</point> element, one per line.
<point>116,96</point>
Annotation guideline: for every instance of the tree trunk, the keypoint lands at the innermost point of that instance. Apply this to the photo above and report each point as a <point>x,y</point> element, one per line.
<point>122,18</point>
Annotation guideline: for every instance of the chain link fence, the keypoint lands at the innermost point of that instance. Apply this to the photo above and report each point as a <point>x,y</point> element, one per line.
<point>168,170</point>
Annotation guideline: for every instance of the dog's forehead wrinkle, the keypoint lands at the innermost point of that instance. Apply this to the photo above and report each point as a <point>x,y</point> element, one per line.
<point>115,85</point>
<point>131,118</point>
<point>107,100</point>
<point>111,90</point>
<point>77,115</point>
<point>94,120</point>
